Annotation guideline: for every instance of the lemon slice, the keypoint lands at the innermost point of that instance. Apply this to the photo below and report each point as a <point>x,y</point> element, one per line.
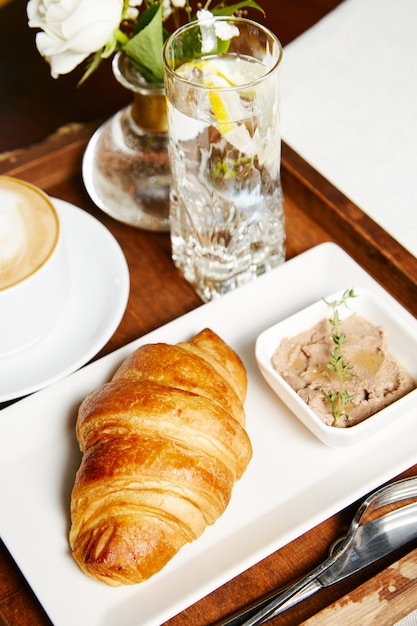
<point>212,76</point>
<point>235,116</point>
<point>227,107</point>
<point>226,104</point>
<point>221,113</point>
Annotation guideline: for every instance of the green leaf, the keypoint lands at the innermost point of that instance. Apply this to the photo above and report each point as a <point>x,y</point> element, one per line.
<point>145,48</point>
<point>146,17</point>
<point>95,62</point>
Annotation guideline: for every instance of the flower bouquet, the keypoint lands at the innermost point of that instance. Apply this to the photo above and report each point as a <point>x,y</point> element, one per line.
<point>125,168</point>
<point>74,31</point>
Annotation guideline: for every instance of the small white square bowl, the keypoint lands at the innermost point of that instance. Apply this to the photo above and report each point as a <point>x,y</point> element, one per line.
<point>402,344</point>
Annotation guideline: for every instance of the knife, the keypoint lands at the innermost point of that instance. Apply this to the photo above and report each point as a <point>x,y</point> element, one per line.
<point>370,542</point>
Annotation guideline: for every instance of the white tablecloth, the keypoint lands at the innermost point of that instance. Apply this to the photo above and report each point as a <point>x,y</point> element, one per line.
<point>349,107</point>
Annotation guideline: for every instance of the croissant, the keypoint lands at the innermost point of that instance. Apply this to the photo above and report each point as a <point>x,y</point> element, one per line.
<point>163,444</point>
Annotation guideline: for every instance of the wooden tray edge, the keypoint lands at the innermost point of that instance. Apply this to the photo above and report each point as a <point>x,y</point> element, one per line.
<point>370,245</point>
<point>59,157</point>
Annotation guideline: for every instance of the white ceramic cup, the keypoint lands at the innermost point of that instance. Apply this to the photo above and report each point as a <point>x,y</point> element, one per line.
<point>34,272</point>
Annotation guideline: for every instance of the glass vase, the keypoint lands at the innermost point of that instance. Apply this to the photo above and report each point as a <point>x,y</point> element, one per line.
<point>126,168</point>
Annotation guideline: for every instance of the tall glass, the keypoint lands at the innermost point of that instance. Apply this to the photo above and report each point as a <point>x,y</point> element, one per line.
<point>222,81</point>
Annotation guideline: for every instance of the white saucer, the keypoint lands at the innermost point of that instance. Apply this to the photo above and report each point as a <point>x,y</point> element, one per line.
<point>99,292</point>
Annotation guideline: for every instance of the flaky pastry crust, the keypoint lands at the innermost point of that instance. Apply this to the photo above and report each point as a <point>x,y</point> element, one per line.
<point>163,443</point>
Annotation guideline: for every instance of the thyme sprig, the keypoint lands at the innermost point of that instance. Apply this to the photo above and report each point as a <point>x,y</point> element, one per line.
<point>340,398</point>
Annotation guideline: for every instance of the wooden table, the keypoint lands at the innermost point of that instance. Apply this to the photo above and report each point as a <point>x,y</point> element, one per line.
<point>315,212</point>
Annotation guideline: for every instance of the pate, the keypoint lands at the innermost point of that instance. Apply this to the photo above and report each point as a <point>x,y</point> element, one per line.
<point>379,379</point>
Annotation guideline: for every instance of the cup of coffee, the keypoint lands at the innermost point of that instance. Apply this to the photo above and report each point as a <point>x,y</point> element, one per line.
<point>34,272</point>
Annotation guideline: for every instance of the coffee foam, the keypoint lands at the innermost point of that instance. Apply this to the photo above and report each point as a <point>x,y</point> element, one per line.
<point>29,231</point>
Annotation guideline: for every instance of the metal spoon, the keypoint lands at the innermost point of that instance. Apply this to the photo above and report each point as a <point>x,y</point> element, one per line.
<point>364,543</point>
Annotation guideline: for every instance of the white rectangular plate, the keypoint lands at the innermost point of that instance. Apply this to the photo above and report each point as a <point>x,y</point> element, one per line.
<point>293,482</point>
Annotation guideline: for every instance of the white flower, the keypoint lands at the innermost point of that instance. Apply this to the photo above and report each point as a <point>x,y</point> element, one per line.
<point>203,14</point>
<point>178,4</point>
<point>212,29</point>
<point>208,36</point>
<point>71,30</point>
<point>225,31</point>
<point>166,9</point>
<point>132,13</point>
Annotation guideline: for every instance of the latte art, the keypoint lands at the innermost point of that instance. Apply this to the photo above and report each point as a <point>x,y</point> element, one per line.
<point>28,231</point>
<point>35,279</point>
<point>12,231</point>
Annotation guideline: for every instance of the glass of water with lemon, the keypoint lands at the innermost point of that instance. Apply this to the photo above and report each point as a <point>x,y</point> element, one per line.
<point>222,81</point>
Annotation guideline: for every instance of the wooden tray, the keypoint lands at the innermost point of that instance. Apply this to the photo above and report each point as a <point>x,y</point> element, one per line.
<point>315,212</point>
